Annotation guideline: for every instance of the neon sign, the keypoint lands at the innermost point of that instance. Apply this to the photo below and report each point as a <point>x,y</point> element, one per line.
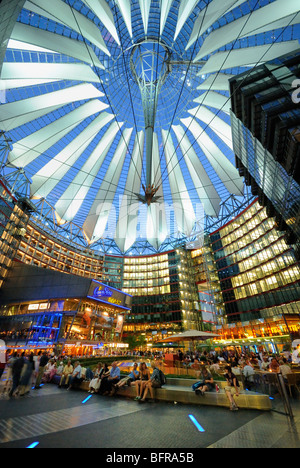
<point>102,292</point>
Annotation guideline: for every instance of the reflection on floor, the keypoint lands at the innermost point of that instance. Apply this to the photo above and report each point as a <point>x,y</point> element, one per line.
<point>58,418</point>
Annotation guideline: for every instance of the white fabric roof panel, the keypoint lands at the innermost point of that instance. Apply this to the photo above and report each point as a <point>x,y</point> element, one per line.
<point>216,100</point>
<point>261,20</point>
<point>125,9</point>
<point>221,128</point>
<point>104,13</point>
<point>249,56</point>
<point>31,147</point>
<point>183,208</point>
<point>185,9</point>
<point>226,171</point>
<point>50,175</point>
<point>204,187</point>
<point>59,44</point>
<point>70,202</point>
<point>209,16</point>
<point>128,215</point>
<point>157,227</point>
<point>164,12</point>
<point>59,11</point>
<point>55,71</point>
<point>15,114</point>
<point>74,109</point>
<point>217,82</point>
<point>98,216</point>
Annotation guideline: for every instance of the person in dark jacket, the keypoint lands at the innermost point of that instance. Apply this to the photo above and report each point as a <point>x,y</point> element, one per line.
<point>16,373</point>
<point>43,362</point>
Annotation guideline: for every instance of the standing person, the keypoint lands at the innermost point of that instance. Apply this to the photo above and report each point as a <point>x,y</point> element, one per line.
<point>3,364</point>
<point>296,355</point>
<point>36,360</point>
<point>10,363</point>
<point>16,373</point>
<point>43,362</point>
<point>232,388</point>
<point>26,376</point>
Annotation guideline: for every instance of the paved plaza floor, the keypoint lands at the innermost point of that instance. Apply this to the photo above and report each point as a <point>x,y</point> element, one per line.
<point>57,418</point>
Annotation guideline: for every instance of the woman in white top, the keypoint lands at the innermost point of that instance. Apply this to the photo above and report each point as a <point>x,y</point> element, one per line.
<point>101,372</point>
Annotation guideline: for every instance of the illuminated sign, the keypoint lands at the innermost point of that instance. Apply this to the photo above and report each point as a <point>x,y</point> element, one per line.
<point>102,291</point>
<point>109,295</point>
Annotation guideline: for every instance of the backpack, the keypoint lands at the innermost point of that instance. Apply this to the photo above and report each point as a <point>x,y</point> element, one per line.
<point>196,385</point>
<point>162,377</point>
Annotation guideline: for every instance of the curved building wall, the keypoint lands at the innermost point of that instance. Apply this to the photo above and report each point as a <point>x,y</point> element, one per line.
<point>245,274</point>
<point>259,275</point>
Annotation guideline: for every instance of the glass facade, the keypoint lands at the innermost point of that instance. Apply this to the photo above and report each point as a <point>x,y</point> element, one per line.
<point>265,126</point>
<point>164,293</point>
<point>13,224</point>
<point>258,272</point>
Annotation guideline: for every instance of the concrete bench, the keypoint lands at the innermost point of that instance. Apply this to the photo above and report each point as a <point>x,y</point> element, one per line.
<point>180,391</point>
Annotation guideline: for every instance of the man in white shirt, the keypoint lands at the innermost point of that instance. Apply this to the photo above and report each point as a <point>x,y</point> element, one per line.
<point>284,368</point>
<point>248,373</point>
<point>295,355</point>
<point>75,379</point>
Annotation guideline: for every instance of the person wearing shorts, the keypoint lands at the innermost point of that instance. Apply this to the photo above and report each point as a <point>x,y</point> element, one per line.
<point>153,383</point>
<point>232,388</point>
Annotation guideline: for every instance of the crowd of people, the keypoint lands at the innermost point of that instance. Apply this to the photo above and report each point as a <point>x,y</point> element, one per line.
<point>109,382</point>
<point>26,372</point>
<point>31,371</point>
<point>232,365</point>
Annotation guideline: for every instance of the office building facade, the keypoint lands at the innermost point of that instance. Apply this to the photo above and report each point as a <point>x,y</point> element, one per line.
<point>266,138</point>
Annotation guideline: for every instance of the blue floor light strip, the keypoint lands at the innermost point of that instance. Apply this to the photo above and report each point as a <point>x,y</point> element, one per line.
<point>194,421</point>
<point>87,399</point>
<point>33,445</point>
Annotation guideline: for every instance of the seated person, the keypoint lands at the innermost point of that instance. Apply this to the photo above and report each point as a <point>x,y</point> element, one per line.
<point>132,377</point>
<point>60,369</point>
<point>284,368</point>
<point>144,375</point>
<point>75,379</point>
<point>50,371</point>
<point>101,372</point>
<point>232,388</point>
<point>154,382</point>
<point>237,370</point>
<point>67,372</point>
<point>113,378</point>
<point>274,366</point>
<point>207,384</point>
<point>248,373</point>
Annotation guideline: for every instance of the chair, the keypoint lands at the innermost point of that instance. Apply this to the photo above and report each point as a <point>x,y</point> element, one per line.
<point>292,380</point>
<point>271,381</point>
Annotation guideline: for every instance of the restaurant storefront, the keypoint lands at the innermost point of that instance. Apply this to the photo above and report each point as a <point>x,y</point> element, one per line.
<point>82,318</point>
